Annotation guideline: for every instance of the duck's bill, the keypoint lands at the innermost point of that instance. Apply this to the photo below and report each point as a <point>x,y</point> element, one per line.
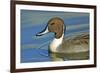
<point>43,32</point>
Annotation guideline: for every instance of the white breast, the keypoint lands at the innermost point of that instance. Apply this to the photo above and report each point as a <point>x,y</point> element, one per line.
<point>55,43</point>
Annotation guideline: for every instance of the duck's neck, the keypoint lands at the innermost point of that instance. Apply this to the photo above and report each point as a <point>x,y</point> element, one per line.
<point>55,43</point>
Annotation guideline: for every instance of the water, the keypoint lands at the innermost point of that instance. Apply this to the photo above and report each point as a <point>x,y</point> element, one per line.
<point>35,49</point>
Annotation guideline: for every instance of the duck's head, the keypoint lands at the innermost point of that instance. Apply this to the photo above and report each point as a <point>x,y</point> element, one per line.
<point>55,25</point>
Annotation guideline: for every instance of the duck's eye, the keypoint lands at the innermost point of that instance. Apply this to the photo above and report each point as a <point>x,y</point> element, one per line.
<point>52,23</point>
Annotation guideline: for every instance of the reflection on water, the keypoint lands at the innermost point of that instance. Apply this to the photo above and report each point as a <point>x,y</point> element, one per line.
<point>70,56</point>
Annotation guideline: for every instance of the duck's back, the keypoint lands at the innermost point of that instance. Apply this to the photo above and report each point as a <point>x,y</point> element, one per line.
<point>74,48</point>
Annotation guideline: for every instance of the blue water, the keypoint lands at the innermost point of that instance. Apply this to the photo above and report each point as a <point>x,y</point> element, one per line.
<point>35,48</point>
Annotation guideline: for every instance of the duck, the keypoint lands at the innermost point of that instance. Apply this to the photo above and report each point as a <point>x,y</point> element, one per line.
<point>64,49</point>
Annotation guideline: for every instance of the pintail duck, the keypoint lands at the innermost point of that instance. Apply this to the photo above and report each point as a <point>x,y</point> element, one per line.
<point>61,49</point>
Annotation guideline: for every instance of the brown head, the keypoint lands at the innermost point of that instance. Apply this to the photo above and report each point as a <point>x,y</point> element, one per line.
<point>55,25</point>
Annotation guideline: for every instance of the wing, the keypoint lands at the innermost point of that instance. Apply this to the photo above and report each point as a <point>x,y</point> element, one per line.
<point>75,48</point>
